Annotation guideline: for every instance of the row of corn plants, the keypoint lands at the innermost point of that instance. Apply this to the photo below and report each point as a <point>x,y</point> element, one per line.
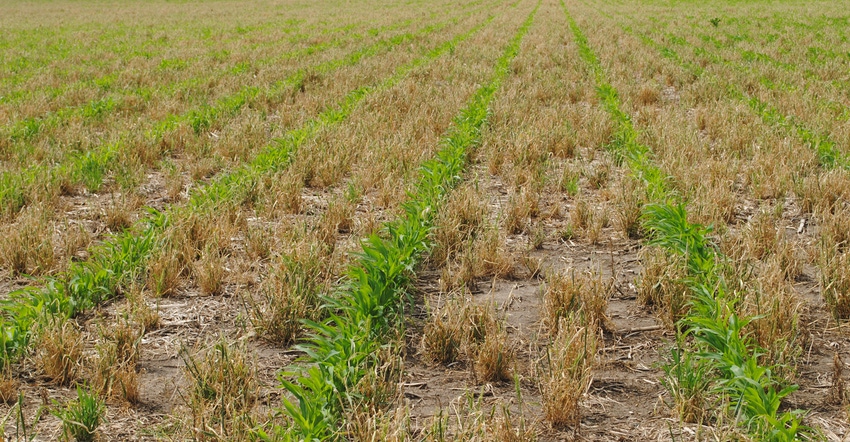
<point>90,168</point>
<point>122,259</point>
<point>720,346</point>
<point>829,153</point>
<point>368,308</point>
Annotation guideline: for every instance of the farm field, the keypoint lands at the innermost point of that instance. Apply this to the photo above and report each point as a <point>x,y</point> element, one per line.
<point>506,220</point>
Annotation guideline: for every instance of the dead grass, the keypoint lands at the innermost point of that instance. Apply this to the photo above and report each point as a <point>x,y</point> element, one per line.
<point>75,239</point>
<point>164,271</point>
<point>835,283</point>
<point>581,294</point>
<point>495,357</point>
<point>173,185</point>
<point>483,256</point>
<point>9,388</point>
<point>113,371</point>
<point>141,312</point>
<point>458,223</point>
<point>838,389</point>
<point>223,390</point>
<point>661,285</point>
<point>648,95</point>
<point>567,373</point>
<point>119,213</point>
<point>259,241</point>
<point>461,331</point>
<point>26,247</point>
<point>336,220</point>
<point>776,307</point>
<point>823,192</point>
<point>60,351</point>
<point>496,261</point>
<point>469,418</point>
<point>281,195</point>
<point>443,336</point>
<point>209,271</point>
<point>290,294</point>
<point>521,208</point>
<point>628,203</point>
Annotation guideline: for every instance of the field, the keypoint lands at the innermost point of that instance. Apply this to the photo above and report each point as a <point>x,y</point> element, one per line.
<point>497,220</point>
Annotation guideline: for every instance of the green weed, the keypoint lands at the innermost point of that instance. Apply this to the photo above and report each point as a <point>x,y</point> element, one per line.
<point>81,417</point>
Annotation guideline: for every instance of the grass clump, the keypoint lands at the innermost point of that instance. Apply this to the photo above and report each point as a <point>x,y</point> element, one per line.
<point>60,351</point>
<point>567,374</point>
<point>223,389</point>
<point>661,286</point>
<point>82,416</point>
<point>26,247</point>
<point>688,378</point>
<point>835,283</point>
<point>465,332</point>
<point>442,338</point>
<point>568,293</point>
<point>289,295</point>
<point>114,372</point>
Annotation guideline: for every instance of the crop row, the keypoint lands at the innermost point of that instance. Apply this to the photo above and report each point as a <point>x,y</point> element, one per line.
<point>169,76</point>
<point>720,348</point>
<point>121,43</point>
<point>788,112</point>
<point>174,74</point>
<point>369,307</point>
<point>832,162</point>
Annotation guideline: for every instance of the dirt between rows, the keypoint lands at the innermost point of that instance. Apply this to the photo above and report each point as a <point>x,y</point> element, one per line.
<point>626,400</point>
